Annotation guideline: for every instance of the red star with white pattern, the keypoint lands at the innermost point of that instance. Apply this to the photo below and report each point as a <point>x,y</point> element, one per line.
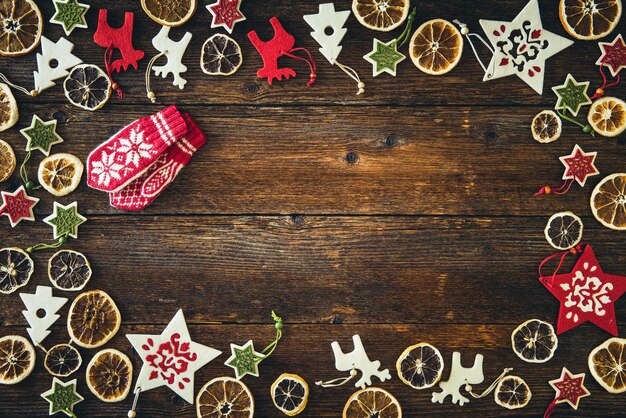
<point>613,55</point>
<point>18,206</point>
<point>226,13</point>
<point>569,388</point>
<point>579,165</point>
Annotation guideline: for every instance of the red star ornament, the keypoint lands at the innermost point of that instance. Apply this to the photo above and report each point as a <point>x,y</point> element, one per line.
<point>18,206</point>
<point>579,165</point>
<point>569,388</point>
<point>613,55</point>
<point>586,294</point>
<point>226,13</point>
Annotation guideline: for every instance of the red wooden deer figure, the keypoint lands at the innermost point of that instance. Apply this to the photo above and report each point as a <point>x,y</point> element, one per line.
<point>120,38</point>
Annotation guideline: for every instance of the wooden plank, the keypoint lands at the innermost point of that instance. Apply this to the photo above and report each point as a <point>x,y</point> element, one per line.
<point>411,87</point>
<point>347,160</point>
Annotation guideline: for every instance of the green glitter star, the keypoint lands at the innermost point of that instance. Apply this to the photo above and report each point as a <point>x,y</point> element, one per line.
<point>41,135</point>
<point>244,360</point>
<point>65,220</point>
<point>384,57</point>
<point>70,14</point>
<point>62,397</point>
<point>572,95</point>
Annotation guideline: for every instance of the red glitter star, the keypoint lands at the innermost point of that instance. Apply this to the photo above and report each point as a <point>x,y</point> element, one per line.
<point>18,206</point>
<point>569,388</point>
<point>613,55</point>
<point>226,13</point>
<point>579,165</point>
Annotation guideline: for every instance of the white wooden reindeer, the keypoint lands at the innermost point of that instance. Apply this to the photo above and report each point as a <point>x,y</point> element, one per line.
<point>173,51</point>
<point>460,376</point>
<point>358,359</point>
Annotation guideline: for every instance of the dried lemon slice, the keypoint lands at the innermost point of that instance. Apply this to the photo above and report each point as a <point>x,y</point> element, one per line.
<point>607,116</point>
<point>608,201</point>
<point>290,394</point>
<point>221,55</point>
<point>21,26</point>
<point>564,230</point>
<point>436,47</point>
<point>607,364</point>
<point>169,12</point>
<point>9,113</point>
<point>372,402</point>
<point>109,375</point>
<point>546,127</point>
<point>420,366</point>
<point>7,161</point>
<point>62,360</point>
<point>17,359</point>
<point>93,319</point>
<point>69,270</point>
<point>512,393</point>
<point>60,173</point>
<point>534,341</point>
<point>16,267</point>
<point>87,87</point>
<point>590,19</point>
<point>224,397</point>
<point>381,15</point>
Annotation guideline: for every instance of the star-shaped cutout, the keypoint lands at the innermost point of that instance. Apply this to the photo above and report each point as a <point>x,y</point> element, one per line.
<point>65,220</point>
<point>18,206</point>
<point>62,397</point>
<point>521,47</point>
<point>244,360</point>
<point>171,359</point>
<point>613,55</point>
<point>384,57</point>
<point>569,388</point>
<point>571,95</point>
<point>226,13</point>
<point>70,14</point>
<point>579,165</point>
<point>41,135</point>
<point>586,294</point>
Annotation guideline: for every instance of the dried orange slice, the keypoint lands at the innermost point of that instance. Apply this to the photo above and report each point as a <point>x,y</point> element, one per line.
<point>436,47</point>
<point>16,267</point>
<point>290,394</point>
<point>221,55</point>
<point>109,375</point>
<point>20,28</point>
<point>607,364</point>
<point>224,397</point>
<point>546,127</point>
<point>512,393</point>
<point>534,341</point>
<point>87,87</point>
<point>69,270</point>
<point>564,230</point>
<point>9,113</point>
<point>169,12</point>
<point>420,366</point>
<point>17,359</point>
<point>607,116</point>
<point>381,15</point>
<point>372,402</point>
<point>590,19</point>
<point>60,173</point>
<point>93,319</point>
<point>7,161</point>
<point>608,201</point>
<point>62,360</point>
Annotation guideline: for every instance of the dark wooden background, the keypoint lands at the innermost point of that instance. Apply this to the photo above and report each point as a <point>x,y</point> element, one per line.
<point>404,215</point>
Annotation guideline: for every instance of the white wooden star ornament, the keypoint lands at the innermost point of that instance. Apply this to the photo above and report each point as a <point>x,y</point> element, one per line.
<point>41,312</point>
<point>53,62</point>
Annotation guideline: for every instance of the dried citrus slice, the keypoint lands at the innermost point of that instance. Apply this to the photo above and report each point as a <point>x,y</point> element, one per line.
<point>21,26</point>
<point>607,116</point>
<point>221,55</point>
<point>607,364</point>
<point>512,393</point>
<point>62,360</point>
<point>169,12</point>
<point>17,359</point>
<point>16,267</point>
<point>590,19</point>
<point>608,201</point>
<point>534,341</point>
<point>7,161</point>
<point>109,375</point>
<point>60,173</point>
<point>9,113</point>
<point>93,319</point>
<point>87,87</point>
<point>381,15</point>
<point>546,126</point>
<point>420,366</point>
<point>436,47</point>
<point>69,270</point>
<point>564,230</point>
<point>372,402</point>
<point>225,397</point>
<point>290,394</point>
